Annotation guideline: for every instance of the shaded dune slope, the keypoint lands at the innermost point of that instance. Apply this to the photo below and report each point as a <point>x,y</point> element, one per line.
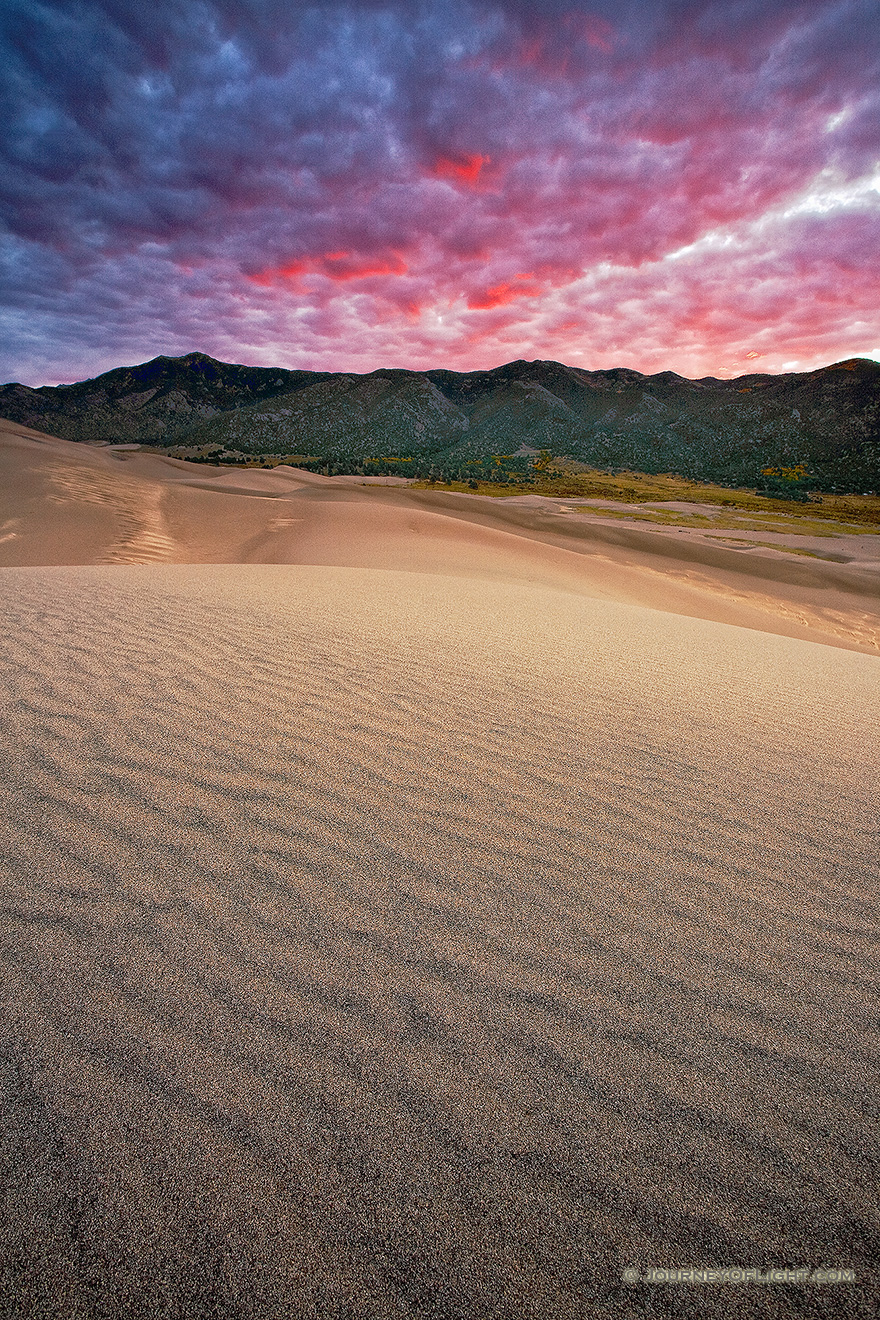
<point>397,944</point>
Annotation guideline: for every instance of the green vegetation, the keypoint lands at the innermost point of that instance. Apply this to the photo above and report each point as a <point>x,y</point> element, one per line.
<point>781,437</point>
<point>789,508</point>
<point>791,523</point>
<point>568,480</point>
<point>649,488</point>
<point>512,473</point>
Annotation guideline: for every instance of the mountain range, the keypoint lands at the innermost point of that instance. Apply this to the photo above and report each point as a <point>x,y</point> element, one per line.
<point>827,421</point>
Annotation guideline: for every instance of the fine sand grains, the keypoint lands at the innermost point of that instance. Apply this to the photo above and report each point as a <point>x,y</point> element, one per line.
<point>380,944</point>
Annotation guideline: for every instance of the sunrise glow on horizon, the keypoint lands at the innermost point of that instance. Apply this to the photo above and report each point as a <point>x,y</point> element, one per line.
<point>682,185</point>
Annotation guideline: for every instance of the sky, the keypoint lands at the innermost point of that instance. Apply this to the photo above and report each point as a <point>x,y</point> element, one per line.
<point>686,185</point>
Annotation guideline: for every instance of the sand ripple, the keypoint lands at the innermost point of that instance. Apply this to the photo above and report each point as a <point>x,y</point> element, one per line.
<point>386,945</point>
<point>136,506</point>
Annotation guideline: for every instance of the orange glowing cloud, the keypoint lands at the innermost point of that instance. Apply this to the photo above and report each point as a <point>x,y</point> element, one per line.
<point>271,275</point>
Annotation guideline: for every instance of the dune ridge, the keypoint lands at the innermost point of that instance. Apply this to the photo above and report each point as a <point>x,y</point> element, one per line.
<point>64,503</point>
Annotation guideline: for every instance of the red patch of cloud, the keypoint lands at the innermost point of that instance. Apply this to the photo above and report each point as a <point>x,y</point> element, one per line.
<point>462,169</point>
<point>263,278</point>
<point>501,294</point>
<point>343,266</point>
<point>340,266</point>
<point>271,275</point>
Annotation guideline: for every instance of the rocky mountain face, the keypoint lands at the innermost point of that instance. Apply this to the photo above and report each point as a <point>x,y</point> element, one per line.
<point>154,403</point>
<point>828,420</point>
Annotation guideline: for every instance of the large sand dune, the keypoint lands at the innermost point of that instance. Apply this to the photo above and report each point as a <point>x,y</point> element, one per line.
<point>423,925</point>
<point>63,503</point>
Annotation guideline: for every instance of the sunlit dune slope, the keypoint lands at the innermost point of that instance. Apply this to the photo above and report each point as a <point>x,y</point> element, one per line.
<point>399,944</point>
<point>65,503</point>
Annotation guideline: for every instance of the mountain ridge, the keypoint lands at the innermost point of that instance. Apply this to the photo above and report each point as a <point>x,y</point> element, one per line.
<point>826,421</point>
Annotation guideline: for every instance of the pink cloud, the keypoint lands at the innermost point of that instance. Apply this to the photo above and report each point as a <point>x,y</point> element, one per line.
<point>503,293</point>
<point>341,267</point>
<point>534,178</point>
<point>464,170</point>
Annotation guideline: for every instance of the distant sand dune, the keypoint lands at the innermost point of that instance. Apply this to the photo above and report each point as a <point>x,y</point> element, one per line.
<point>63,503</point>
<point>416,941</point>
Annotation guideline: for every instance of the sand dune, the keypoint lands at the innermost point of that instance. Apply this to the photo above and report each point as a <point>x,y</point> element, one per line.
<point>63,503</point>
<point>429,939</point>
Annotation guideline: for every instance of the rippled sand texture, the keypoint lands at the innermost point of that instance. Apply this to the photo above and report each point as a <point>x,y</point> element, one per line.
<point>394,945</point>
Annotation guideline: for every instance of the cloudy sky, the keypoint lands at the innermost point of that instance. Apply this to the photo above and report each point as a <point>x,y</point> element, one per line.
<point>661,184</point>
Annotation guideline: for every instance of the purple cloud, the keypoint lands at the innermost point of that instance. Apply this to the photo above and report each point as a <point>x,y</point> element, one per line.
<point>354,185</point>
